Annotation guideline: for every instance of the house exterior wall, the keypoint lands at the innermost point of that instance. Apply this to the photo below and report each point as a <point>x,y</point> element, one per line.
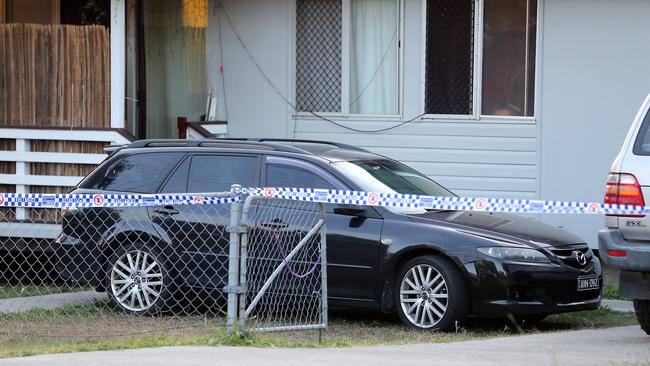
<point>590,82</point>
<point>595,76</point>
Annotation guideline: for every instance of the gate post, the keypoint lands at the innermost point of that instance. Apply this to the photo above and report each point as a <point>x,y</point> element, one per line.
<point>232,289</point>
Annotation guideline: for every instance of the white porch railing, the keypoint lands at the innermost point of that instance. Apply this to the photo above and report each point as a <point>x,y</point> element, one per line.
<point>23,156</point>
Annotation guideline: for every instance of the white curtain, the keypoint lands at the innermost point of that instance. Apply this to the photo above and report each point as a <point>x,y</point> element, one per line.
<point>374,57</point>
<point>175,63</point>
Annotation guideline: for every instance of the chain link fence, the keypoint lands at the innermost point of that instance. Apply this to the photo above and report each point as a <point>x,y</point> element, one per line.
<point>93,266</point>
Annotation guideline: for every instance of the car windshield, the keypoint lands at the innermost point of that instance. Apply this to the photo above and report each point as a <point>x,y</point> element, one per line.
<point>390,176</point>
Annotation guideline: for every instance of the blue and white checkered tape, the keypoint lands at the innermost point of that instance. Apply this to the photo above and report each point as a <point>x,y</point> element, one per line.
<point>321,195</point>
<point>443,203</point>
<point>44,200</point>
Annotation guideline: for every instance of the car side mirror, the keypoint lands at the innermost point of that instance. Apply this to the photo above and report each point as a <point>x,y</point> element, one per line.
<point>350,210</point>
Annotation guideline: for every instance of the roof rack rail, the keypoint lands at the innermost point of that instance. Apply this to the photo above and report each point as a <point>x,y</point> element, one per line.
<point>337,144</point>
<point>220,142</point>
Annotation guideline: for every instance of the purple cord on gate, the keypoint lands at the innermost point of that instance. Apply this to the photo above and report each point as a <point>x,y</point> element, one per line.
<point>284,259</point>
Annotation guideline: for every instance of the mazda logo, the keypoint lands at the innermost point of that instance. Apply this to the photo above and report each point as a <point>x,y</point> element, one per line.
<point>580,257</point>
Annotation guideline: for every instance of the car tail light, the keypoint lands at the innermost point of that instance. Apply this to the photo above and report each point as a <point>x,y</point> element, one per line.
<point>623,189</point>
<point>617,253</point>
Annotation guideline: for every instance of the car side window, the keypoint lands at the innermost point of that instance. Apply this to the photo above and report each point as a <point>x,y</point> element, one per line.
<point>177,182</point>
<point>280,175</point>
<point>642,143</point>
<point>216,173</point>
<point>140,173</point>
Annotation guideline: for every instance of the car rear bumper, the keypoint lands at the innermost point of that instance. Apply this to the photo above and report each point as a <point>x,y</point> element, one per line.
<point>502,288</point>
<point>634,279</point>
<point>638,252</point>
<point>77,261</point>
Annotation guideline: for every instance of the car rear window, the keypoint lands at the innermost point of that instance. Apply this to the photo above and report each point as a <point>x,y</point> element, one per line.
<point>140,173</point>
<point>642,143</point>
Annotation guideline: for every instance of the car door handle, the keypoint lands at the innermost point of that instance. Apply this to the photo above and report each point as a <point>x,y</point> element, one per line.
<point>166,210</point>
<point>274,224</point>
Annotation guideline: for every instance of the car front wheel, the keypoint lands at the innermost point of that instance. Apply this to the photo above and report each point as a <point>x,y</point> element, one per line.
<point>138,280</point>
<point>431,294</point>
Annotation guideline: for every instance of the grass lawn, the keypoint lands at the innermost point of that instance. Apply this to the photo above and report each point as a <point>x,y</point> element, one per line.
<point>612,293</point>
<point>64,330</point>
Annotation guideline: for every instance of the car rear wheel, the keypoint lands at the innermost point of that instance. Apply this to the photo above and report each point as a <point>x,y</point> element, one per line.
<point>431,294</point>
<point>139,280</point>
<point>642,310</point>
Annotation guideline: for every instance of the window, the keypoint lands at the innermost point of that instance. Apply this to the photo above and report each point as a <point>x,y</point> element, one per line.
<point>31,11</point>
<point>449,57</point>
<point>141,173</point>
<point>177,182</point>
<point>642,143</point>
<point>360,79</point>
<point>509,33</point>
<point>288,176</point>
<point>507,72</point>
<point>216,173</point>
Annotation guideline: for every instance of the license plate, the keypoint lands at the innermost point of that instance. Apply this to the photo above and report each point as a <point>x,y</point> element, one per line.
<point>588,283</point>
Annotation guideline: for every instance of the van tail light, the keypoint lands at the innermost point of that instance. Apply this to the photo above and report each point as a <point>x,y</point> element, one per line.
<point>623,189</point>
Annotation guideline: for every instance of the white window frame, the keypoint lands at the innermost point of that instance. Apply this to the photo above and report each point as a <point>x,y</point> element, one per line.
<point>477,81</point>
<point>345,69</point>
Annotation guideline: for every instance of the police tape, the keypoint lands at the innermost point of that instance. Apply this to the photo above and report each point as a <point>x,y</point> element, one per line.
<point>443,203</point>
<point>43,200</point>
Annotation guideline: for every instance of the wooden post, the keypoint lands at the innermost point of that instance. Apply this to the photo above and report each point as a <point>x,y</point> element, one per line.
<point>118,60</point>
<point>22,169</point>
<point>181,123</point>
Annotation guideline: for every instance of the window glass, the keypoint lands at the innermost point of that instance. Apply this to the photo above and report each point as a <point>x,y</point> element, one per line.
<point>642,143</point>
<point>216,173</point>
<point>30,11</point>
<point>509,34</point>
<point>374,39</point>
<point>319,55</point>
<point>141,173</point>
<point>177,183</point>
<point>288,176</point>
<point>449,57</point>
<point>389,176</point>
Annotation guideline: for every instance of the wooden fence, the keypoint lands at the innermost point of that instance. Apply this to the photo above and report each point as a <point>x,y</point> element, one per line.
<point>54,75</point>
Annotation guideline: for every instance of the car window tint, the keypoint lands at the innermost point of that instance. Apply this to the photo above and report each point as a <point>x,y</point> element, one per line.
<point>216,173</point>
<point>642,143</point>
<point>279,175</point>
<point>177,182</point>
<point>141,173</point>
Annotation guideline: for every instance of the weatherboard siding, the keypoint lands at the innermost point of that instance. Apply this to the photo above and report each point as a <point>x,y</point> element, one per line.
<point>490,159</point>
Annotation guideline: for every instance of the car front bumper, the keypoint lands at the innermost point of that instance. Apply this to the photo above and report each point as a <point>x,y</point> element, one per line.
<point>500,288</point>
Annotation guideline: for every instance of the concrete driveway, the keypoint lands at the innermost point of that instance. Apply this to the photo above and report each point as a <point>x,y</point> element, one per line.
<point>614,346</point>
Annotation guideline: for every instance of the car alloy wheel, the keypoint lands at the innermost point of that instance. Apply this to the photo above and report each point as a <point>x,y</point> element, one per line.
<point>423,296</point>
<point>136,281</point>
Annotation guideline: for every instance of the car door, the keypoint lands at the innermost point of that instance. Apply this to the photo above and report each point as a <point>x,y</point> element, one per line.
<point>198,232</point>
<point>353,243</point>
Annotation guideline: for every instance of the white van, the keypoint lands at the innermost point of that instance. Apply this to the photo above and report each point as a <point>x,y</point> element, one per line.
<point>625,243</point>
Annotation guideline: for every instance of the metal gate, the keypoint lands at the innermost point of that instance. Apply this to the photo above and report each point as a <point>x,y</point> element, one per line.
<point>280,282</point>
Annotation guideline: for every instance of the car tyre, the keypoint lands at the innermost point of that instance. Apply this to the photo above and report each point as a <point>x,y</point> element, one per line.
<point>139,280</point>
<point>642,310</point>
<point>431,294</point>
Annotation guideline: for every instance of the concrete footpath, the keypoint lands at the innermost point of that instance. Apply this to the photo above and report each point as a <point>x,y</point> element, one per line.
<point>614,346</point>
